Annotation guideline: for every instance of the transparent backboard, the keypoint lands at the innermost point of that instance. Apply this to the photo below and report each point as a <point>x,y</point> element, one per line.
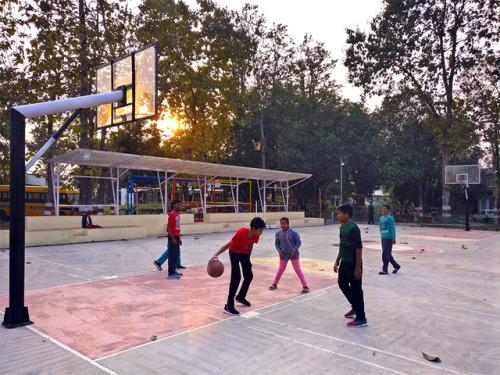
<point>137,73</point>
<point>462,174</point>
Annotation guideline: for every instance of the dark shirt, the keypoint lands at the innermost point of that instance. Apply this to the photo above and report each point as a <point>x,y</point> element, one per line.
<point>350,240</point>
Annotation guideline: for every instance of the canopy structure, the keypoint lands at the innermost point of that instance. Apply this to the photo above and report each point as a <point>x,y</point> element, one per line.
<point>119,164</point>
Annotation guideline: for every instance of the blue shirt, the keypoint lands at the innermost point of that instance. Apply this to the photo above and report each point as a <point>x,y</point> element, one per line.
<point>387,227</point>
<point>286,242</point>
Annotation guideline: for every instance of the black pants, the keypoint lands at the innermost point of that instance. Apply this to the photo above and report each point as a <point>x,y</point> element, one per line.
<point>246,267</point>
<point>173,254</point>
<point>387,254</point>
<point>370,219</point>
<point>352,288</point>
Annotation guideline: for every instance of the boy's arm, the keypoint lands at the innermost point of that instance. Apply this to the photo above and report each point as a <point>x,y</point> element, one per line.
<point>357,270</point>
<point>336,265</point>
<point>222,249</point>
<point>250,248</point>
<point>393,231</point>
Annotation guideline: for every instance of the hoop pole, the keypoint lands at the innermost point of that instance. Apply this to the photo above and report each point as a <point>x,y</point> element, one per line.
<point>16,314</point>
<point>64,105</point>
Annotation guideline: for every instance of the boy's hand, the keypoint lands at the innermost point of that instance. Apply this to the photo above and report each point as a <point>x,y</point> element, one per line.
<point>281,254</point>
<point>335,267</point>
<point>292,254</point>
<point>357,273</point>
<point>180,241</point>
<point>393,241</point>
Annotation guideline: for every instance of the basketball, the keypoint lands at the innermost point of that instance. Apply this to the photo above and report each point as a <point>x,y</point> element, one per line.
<point>215,268</point>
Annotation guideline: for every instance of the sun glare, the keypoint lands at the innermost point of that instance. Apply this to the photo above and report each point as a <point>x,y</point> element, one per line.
<point>168,124</point>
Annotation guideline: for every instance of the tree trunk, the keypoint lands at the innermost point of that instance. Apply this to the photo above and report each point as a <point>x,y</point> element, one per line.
<point>446,195</point>
<point>262,139</point>
<point>85,116</point>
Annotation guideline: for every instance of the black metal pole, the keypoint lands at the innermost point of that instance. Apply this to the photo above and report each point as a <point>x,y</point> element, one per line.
<point>16,314</point>
<point>467,228</point>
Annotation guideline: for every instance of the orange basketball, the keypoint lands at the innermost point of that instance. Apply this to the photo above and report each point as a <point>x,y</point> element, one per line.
<point>215,268</point>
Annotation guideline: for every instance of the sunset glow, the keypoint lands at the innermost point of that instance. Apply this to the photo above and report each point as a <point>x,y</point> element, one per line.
<point>169,124</point>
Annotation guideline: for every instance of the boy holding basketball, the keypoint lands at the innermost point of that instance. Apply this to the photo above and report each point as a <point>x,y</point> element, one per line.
<point>240,249</point>
<point>350,269</point>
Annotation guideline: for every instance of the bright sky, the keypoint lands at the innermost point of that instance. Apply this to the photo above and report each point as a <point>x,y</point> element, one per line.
<point>324,20</point>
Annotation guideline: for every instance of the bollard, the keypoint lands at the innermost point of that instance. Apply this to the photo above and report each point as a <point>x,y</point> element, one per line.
<point>100,211</point>
<point>112,210</point>
<point>48,209</point>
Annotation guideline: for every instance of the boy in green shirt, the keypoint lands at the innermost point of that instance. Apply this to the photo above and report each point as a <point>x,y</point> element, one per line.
<point>351,268</point>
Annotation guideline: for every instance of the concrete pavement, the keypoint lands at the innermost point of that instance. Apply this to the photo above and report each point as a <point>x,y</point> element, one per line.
<point>102,308</point>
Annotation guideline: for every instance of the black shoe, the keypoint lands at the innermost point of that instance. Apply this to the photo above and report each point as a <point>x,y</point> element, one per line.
<point>396,270</point>
<point>230,310</point>
<point>383,273</point>
<point>181,267</point>
<point>243,301</point>
<point>157,265</point>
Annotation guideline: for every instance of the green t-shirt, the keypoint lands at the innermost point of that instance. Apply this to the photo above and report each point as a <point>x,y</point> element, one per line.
<point>350,240</point>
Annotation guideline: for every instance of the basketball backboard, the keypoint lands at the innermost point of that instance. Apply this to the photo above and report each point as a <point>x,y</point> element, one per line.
<point>137,73</point>
<point>462,174</point>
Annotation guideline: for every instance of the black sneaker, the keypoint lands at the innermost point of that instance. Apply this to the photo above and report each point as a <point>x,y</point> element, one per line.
<point>396,270</point>
<point>230,310</point>
<point>157,265</point>
<point>181,267</point>
<point>243,301</point>
<point>382,273</point>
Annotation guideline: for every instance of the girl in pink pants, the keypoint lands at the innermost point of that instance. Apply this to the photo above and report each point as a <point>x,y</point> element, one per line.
<point>287,243</point>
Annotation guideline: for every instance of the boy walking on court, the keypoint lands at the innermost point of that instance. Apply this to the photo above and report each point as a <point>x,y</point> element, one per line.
<point>240,249</point>
<point>287,242</point>
<point>388,233</point>
<point>174,241</point>
<point>350,269</point>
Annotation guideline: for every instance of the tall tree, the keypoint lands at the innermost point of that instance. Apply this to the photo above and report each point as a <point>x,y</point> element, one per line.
<point>425,46</point>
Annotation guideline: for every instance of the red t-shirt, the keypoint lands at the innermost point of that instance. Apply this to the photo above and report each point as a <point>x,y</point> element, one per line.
<point>174,223</point>
<point>241,241</point>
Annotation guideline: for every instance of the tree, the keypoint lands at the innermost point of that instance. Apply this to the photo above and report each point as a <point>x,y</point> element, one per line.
<point>62,57</point>
<point>200,51</point>
<point>483,99</point>
<point>425,47</point>
<point>408,152</point>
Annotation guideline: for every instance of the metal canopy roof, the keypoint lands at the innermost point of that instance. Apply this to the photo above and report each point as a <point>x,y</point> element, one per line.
<point>151,163</point>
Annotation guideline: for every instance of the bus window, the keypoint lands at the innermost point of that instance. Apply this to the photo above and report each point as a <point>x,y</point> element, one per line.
<point>73,198</point>
<point>34,198</point>
<point>63,198</point>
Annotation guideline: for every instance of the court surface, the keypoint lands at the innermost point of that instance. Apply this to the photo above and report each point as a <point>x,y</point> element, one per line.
<point>103,308</point>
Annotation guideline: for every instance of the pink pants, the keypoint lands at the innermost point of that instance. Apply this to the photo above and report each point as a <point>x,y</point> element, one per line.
<point>296,267</point>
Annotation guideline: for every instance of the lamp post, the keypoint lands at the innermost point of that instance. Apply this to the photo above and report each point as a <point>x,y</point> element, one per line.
<point>341,164</point>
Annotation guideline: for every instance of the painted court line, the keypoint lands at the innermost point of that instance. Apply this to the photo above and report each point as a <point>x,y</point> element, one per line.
<point>72,351</point>
<point>323,350</point>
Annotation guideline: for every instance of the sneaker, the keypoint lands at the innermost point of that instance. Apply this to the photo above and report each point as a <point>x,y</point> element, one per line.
<point>181,267</point>
<point>305,290</point>
<point>157,265</point>
<point>230,310</point>
<point>350,314</point>
<point>396,270</point>
<point>178,273</point>
<point>357,323</point>
<point>173,277</point>
<point>383,273</point>
<point>243,301</point>
<point>273,287</point>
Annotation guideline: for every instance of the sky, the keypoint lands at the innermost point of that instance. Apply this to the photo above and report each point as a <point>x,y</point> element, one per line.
<point>324,20</point>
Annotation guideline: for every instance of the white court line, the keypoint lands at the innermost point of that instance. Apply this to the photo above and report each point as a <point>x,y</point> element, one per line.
<point>454,290</point>
<point>353,344</point>
<point>163,339</point>
<point>326,350</point>
<point>72,351</point>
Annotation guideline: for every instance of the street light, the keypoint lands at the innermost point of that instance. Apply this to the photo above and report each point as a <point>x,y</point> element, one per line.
<point>341,165</point>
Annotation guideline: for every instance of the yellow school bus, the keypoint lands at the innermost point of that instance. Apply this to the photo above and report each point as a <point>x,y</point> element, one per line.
<point>34,200</point>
